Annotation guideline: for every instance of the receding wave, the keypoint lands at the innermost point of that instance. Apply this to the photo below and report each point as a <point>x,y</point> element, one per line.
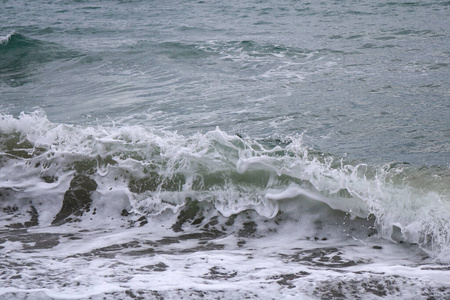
<point>65,171</point>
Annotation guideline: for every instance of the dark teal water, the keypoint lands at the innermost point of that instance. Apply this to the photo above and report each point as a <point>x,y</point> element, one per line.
<point>241,149</point>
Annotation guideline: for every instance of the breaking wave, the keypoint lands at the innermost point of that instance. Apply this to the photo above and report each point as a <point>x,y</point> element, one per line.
<point>63,173</point>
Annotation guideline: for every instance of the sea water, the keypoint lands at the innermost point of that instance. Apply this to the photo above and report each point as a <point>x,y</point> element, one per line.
<point>237,150</point>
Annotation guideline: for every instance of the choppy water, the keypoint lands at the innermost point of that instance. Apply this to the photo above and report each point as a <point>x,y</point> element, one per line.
<point>248,149</point>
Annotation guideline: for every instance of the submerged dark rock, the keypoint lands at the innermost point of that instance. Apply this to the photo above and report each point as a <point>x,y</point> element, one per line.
<point>34,221</point>
<point>248,230</point>
<point>189,213</point>
<point>77,199</point>
<point>34,218</point>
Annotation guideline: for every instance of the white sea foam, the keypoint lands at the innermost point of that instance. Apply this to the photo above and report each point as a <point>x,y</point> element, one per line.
<point>232,173</point>
<point>115,211</point>
<point>282,264</point>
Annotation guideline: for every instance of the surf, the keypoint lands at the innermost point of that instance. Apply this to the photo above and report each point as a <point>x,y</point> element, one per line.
<point>59,174</point>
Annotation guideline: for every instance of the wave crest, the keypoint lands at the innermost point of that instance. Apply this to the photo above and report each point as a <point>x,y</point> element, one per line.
<point>5,39</point>
<point>148,171</point>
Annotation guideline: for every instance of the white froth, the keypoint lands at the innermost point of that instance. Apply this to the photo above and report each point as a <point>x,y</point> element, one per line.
<point>264,267</point>
<point>285,172</point>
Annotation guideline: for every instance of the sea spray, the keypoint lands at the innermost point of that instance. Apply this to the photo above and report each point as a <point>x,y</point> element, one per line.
<point>148,171</point>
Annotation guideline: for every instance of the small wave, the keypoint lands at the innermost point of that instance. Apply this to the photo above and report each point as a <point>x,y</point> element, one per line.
<point>5,39</point>
<point>15,40</point>
<point>71,169</point>
<point>19,50</point>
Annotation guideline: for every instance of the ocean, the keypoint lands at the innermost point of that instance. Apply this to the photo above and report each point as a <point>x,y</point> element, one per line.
<point>224,149</point>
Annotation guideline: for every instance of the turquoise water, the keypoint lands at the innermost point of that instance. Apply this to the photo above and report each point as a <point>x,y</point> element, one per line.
<point>242,149</point>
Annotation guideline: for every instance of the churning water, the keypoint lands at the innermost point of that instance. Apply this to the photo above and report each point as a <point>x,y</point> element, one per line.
<point>241,149</point>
